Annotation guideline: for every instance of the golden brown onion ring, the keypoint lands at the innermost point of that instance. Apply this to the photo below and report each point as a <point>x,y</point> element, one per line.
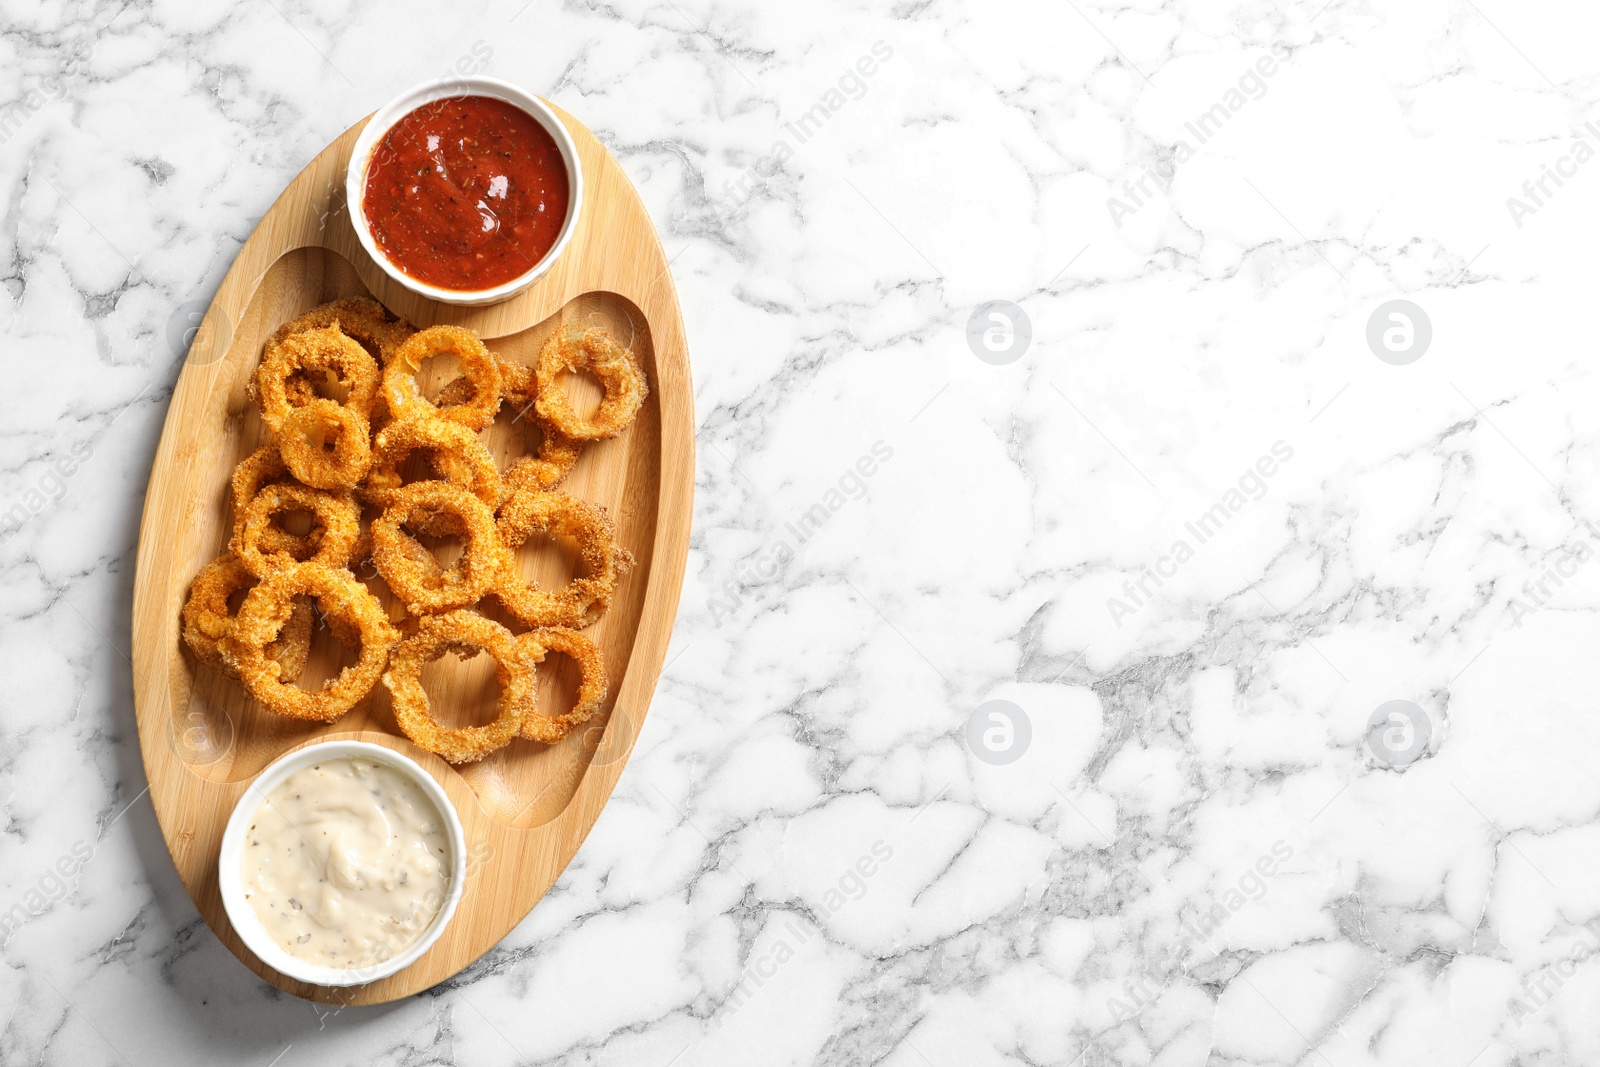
<point>420,583</point>
<point>597,352</point>
<point>313,351</point>
<point>556,454</point>
<point>478,366</point>
<point>306,431</point>
<point>465,633</point>
<point>454,452</point>
<point>547,468</point>
<point>591,689</point>
<point>266,611</point>
<point>581,601</point>
<point>338,528</point>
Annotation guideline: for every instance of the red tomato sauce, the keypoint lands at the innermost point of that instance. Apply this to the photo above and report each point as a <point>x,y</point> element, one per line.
<point>466,193</point>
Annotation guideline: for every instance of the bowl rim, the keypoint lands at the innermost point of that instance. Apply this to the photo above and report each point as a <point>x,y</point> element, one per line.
<point>241,913</point>
<point>427,92</point>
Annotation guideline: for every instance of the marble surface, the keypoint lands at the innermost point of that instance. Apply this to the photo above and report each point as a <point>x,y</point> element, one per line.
<point>1185,522</point>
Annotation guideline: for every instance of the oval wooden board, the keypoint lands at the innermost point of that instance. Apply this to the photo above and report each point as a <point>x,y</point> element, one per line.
<point>527,808</point>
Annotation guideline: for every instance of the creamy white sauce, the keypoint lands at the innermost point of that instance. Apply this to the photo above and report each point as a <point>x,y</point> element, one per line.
<point>346,863</point>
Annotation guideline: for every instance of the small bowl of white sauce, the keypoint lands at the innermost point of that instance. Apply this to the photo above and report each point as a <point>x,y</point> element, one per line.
<point>342,863</point>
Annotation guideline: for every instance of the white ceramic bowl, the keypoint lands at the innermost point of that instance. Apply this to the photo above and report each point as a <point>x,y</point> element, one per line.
<point>242,914</point>
<point>355,181</point>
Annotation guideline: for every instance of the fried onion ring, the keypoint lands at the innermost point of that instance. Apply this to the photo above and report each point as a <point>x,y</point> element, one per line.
<point>207,620</point>
<point>280,379</point>
<point>265,466</point>
<point>465,633</point>
<point>581,601</point>
<point>338,528</point>
<point>455,454</point>
<point>478,366</point>
<point>359,317</point>
<point>596,351</point>
<point>266,611</point>
<point>420,583</point>
<point>549,729</point>
<point>308,429</point>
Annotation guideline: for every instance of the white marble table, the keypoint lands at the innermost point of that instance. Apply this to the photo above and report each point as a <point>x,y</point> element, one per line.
<point>1191,525</point>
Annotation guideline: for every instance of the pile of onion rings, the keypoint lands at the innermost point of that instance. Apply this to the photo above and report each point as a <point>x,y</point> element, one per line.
<point>346,424</point>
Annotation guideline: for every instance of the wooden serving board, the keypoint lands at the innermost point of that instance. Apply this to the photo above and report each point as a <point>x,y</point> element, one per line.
<point>527,808</point>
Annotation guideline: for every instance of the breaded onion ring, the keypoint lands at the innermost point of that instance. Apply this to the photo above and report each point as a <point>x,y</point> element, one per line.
<point>307,432</point>
<point>596,351</point>
<point>207,620</point>
<point>318,350</point>
<point>581,601</point>
<point>591,689</point>
<point>454,452</point>
<point>266,611</point>
<point>359,317</point>
<point>465,633</point>
<point>478,366</point>
<point>411,571</point>
<point>338,528</point>
<point>265,466</point>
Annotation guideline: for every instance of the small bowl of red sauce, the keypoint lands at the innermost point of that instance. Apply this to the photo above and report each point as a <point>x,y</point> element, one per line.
<point>464,190</point>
